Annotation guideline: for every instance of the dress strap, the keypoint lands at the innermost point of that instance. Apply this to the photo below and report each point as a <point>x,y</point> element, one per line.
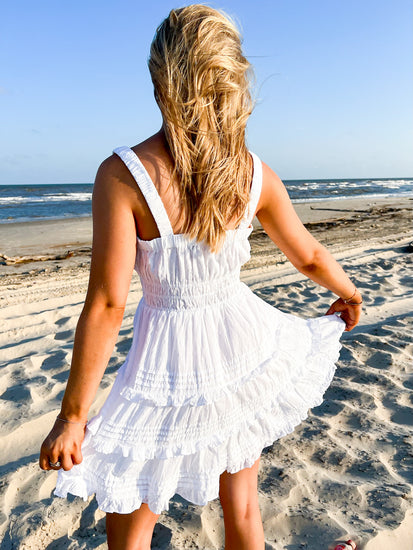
<point>146,185</point>
<point>255,191</point>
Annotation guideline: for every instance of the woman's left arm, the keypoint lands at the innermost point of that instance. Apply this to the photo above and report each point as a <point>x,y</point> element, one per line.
<point>279,220</point>
<point>112,262</point>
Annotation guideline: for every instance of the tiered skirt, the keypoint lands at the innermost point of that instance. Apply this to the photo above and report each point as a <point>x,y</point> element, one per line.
<point>201,392</point>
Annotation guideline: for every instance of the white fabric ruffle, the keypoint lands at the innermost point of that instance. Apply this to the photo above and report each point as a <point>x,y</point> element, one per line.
<point>136,452</point>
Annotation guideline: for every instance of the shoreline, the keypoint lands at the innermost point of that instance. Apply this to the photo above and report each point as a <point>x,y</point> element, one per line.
<point>295,202</point>
<point>63,247</point>
<point>41,236</point>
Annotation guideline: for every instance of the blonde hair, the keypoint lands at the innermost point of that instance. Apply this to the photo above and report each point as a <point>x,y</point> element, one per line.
<point>202,87</point>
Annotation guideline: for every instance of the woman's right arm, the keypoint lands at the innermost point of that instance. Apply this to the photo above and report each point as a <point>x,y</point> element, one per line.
<point>280,221</point>
<point>112,262</point>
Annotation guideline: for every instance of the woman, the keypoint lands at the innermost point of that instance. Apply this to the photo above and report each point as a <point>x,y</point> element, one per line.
<point>214,374</point>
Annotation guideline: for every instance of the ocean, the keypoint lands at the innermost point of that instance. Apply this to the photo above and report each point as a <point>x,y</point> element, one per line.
<point>54,201</point>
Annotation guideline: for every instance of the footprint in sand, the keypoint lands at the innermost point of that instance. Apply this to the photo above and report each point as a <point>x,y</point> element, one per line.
<point>65,335</point>
<point>54,361</point>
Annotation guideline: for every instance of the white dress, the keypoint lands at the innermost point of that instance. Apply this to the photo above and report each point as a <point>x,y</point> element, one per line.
<point>214,373</point>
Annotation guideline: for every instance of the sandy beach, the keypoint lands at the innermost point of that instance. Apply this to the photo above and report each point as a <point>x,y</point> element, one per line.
<point>345,472</point>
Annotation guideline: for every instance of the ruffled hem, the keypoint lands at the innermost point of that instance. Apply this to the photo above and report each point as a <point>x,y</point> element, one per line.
<point>122,483</point>
<point>123,473</point>
<point>124,495</point>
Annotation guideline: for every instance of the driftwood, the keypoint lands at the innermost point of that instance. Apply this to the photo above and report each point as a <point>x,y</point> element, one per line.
<point>336,209</point>
<point>7,260</point>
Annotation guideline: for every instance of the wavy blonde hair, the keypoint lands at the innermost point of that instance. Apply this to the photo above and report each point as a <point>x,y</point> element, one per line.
<point>202,86</point>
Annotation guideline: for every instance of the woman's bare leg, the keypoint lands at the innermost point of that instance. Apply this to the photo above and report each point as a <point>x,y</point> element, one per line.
<point>238,494</point>
<point>131,531</point>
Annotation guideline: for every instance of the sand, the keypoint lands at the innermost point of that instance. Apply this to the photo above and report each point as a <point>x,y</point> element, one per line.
<point>346,471</point>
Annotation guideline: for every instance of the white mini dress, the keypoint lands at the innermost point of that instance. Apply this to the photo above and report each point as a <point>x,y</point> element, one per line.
<point>214,373</point>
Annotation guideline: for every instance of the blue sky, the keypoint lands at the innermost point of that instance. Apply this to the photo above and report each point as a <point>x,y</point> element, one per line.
<point>334,82</point>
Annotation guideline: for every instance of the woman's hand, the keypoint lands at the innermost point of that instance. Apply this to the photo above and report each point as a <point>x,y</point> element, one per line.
<point>350,313</point>
<point>62,445</point>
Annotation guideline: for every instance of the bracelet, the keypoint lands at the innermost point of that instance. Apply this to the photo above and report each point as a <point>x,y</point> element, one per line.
<point>347,300</point>
<point>70,421</point>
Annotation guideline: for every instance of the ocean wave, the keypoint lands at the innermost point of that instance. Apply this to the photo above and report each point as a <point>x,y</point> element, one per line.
<point>56,197</point>
<point>55,201</point>
<point>355,196</point>
<point>341,184</point>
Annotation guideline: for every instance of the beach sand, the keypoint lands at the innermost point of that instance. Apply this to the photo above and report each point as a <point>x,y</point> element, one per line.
<point>345,472</point>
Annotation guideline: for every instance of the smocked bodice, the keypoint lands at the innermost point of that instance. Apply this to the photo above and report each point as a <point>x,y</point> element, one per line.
<point>178,273</point>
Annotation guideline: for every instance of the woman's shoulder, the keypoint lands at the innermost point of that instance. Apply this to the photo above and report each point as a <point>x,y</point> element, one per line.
<point>268,174</point>
<point>111,174</point>
<point>272,186</point>
<point>114,181</point>
<point>149,152</point>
